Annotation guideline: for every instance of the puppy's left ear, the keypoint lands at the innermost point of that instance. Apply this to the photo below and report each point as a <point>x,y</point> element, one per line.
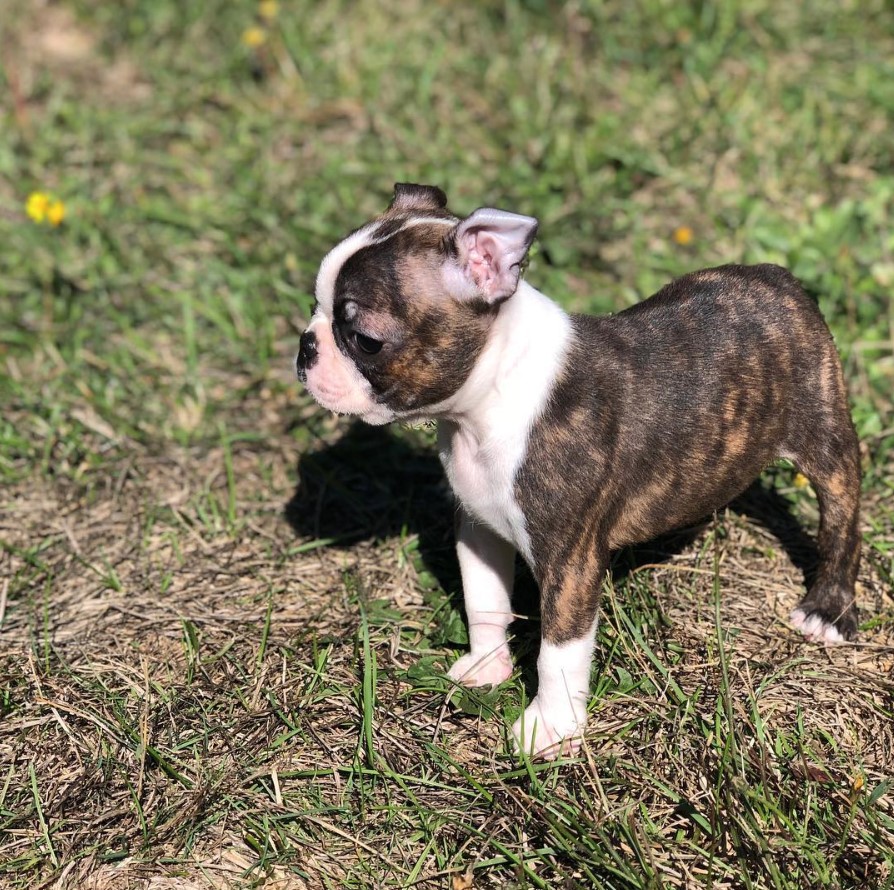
<point>409,196</point>
<point>491,246</point>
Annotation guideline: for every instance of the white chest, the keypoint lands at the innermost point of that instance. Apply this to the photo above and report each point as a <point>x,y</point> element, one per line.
<point>483,431</point>
<point>482,476</point>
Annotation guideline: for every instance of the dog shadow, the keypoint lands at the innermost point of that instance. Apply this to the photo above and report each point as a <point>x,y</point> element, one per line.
<point>374,483</point>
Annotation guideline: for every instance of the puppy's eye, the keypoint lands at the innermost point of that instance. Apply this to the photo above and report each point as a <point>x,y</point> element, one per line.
<point>367,344</point>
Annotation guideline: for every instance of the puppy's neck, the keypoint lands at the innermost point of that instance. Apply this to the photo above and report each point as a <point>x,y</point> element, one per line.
<point>511,382</point>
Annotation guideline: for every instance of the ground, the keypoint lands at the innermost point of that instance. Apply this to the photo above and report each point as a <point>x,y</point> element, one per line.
<point>225,615</point>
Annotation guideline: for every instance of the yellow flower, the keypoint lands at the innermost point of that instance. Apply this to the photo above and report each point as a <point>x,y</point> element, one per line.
<point>268,10</point>
<point>801,481</point>
<point>55,213</point>
<point>36,206</point>
<point>253,37</point>
<point>44,208</point>
<point>683,235</point>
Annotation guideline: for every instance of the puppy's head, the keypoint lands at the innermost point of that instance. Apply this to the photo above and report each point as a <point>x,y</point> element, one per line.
<point>404,306</point>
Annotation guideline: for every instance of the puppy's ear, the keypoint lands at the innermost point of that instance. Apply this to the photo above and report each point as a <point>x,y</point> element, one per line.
<point>409,196</point>
<point>491,246</point>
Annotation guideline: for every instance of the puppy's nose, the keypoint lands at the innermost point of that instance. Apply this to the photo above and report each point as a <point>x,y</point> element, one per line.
<point>307,354</point>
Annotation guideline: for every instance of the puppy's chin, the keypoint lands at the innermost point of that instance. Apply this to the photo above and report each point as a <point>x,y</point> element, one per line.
<point>378,416</point>
<point>351,402</point>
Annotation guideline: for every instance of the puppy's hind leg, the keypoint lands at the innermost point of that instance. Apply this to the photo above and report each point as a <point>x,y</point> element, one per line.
<point>828,613</point>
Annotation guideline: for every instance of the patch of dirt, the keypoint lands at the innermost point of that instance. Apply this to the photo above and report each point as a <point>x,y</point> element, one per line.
<point>156,653</point>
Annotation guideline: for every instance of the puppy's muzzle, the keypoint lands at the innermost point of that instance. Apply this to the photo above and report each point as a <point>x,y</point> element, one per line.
<point>307,354</point>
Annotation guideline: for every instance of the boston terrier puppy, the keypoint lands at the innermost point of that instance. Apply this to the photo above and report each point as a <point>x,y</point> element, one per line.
<point>565,437</point>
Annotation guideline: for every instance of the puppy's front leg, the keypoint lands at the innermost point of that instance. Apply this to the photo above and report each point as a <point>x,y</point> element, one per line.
<point>553,724</point>
<point>487,565</point>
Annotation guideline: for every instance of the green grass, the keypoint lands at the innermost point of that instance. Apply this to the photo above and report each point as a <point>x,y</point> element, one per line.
<point>225,616</point>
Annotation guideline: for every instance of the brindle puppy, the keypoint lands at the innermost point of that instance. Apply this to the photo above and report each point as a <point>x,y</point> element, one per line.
<point>566,437</point>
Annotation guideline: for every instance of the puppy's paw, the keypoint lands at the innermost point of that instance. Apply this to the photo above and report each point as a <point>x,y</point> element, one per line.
<point>816,628</point>
<point>549,732</point>
<point>489,669</point>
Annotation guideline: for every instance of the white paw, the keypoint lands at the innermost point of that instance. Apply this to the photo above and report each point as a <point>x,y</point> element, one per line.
<point>549,732</point>
<point>489,669</point>
<point>815,629</point>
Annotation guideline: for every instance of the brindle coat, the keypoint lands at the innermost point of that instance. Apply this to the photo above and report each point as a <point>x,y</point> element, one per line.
<point>686,398</point>
<point>689,395</point>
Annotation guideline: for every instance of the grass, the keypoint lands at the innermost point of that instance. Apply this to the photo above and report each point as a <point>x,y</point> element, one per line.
<point>225,615</point>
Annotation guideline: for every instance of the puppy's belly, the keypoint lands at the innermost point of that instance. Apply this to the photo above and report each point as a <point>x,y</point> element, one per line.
<point>660,502</point>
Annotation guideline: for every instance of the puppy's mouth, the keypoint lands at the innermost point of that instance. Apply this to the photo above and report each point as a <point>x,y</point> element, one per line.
<point>346,403</point>
<point>336,400</point>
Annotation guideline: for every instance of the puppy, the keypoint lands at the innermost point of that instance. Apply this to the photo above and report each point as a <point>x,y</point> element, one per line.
<point>565,437</point>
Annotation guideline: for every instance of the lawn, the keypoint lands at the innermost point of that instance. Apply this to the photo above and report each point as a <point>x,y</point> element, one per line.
<point>225,614</point>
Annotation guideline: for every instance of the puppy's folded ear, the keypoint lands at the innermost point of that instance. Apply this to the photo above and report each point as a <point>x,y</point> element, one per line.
<point>409,196</point>
<point>490,248</point>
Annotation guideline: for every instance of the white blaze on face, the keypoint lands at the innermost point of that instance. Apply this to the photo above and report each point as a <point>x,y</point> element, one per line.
<point>332,379</point>
<point>332,263</point>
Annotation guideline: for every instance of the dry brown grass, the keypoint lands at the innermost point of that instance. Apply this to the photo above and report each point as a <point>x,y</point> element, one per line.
<point>178,686</point>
